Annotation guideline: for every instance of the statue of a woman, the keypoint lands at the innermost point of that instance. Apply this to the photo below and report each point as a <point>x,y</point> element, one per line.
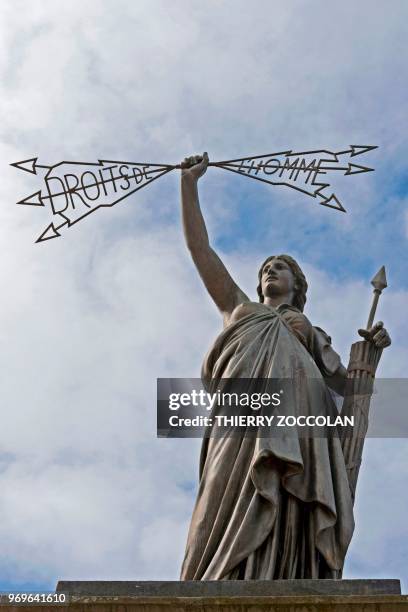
<point>267,508</point>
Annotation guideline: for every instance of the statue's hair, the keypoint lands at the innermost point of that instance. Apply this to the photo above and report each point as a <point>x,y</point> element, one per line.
<point>300,289</point>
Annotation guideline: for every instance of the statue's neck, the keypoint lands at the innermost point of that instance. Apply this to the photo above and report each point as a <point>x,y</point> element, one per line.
<point>276,300</point>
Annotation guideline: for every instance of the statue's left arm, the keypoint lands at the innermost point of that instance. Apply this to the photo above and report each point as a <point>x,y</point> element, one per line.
<point>329,362</point>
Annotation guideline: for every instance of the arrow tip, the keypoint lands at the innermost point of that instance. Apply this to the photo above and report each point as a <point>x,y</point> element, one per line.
<point>49,233</point>
<point>379,281</point>
<point>356,169</point>
<point>333,202</point>
<point>33,200</point>
<point>28,165</point>
<point>359,149</point>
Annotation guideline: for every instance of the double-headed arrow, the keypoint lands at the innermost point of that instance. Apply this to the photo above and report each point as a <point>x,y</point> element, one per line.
<point>302,170</point>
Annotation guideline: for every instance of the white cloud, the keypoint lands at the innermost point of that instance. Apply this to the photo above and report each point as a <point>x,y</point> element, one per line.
<point>80,394</point>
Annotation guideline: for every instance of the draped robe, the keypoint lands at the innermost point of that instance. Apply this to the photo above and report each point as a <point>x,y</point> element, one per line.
<point>278,507</point>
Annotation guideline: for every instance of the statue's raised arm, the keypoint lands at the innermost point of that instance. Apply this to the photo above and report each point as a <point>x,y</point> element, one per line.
<point>219,283</point>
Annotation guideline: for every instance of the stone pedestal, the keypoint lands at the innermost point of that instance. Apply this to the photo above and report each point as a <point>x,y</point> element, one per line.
<point>228,596</point>
<point>237,596</point>
<point>230,588</point>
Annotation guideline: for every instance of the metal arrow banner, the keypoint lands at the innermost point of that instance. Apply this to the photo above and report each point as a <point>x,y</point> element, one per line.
<point>74,190</point>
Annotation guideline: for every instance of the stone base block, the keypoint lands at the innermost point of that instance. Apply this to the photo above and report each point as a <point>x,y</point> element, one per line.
<point>227,596</point>
<point>230,588</point>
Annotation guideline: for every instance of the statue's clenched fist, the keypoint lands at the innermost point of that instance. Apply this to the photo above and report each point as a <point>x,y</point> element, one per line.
<point>194,166</point>
<point>377,334</point>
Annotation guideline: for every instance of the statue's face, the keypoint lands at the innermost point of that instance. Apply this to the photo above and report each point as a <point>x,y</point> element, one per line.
<point>277,278</point>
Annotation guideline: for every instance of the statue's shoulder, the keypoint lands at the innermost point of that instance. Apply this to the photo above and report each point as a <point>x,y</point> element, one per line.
<point>321,335</point>
<point>325,356</point>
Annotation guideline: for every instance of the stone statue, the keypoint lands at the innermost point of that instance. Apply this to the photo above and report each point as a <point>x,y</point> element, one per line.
<point>276,508</point>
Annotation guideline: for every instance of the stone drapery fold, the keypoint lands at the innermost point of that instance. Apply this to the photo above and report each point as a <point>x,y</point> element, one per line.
<point>277,507</point>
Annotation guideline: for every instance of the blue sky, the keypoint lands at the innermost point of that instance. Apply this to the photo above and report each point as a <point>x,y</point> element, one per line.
<point>90,320</point>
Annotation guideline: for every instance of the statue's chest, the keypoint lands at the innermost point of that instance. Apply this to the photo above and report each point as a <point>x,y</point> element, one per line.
<point>294,320</point>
